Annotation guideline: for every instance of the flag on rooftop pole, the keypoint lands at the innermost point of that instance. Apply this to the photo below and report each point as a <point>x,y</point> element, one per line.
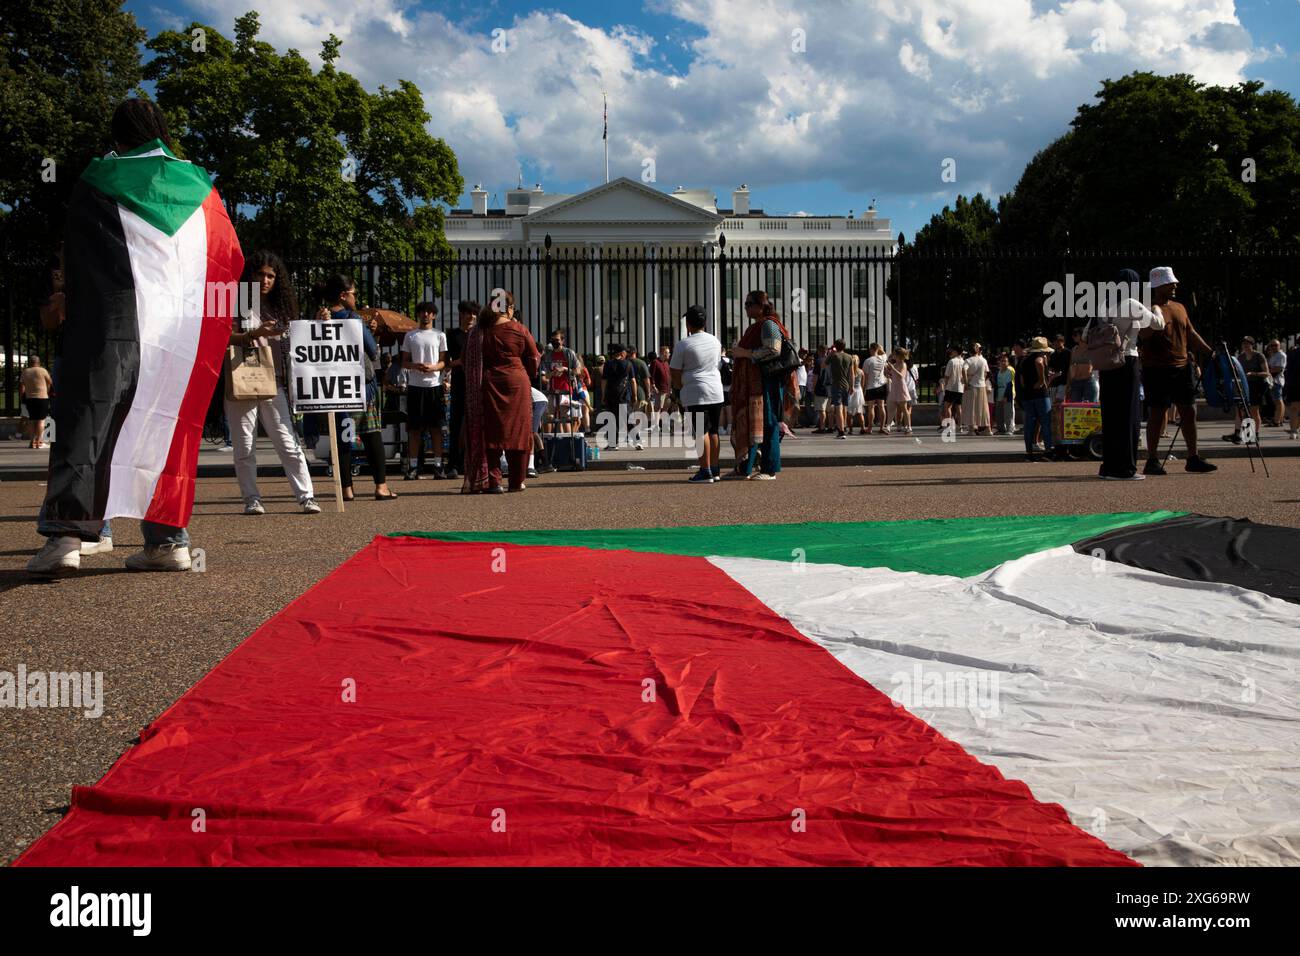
<point>605,134</point>
<point>152,265</point>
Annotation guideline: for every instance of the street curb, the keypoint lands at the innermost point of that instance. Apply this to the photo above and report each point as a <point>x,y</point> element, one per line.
<point>1290,450</point>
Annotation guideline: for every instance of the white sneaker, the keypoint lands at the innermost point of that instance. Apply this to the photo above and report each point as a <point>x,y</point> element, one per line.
<point>309,506</point>
<point>639,447</point>
<point>102,546</point>
<point>58,554</point>
<point>162,558</point>
<point>254,507</point>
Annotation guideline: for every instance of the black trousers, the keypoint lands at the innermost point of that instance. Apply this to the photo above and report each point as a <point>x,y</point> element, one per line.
<point>373,443</point>
<point>1121,419</point>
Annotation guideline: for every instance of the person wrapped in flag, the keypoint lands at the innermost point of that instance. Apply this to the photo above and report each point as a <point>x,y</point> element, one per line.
<point>151,270</point>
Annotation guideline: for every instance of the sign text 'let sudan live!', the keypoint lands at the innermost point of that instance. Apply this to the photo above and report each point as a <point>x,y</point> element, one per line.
<point>326,366</point>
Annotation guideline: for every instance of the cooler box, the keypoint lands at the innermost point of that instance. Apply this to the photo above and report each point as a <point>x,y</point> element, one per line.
<point>566,451</point>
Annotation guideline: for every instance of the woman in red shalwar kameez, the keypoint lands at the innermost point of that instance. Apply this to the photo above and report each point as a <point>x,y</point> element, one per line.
<point>501,361</point>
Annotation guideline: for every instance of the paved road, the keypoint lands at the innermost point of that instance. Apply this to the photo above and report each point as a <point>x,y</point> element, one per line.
<point>154,636</point>
<point>17,461</point>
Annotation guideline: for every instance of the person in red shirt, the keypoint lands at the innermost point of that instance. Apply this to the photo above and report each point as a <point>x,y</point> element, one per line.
<point>560,380</point>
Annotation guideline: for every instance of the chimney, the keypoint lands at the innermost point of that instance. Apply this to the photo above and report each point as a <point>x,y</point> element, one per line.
<point>740,201</point>
<point>479,196</point>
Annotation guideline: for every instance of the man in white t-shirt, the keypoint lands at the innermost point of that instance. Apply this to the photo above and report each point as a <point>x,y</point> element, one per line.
<point>694,368</point>
<point>875,388</point>
<point>424,355</point>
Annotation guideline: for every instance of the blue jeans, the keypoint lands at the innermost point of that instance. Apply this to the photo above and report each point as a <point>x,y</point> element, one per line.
<point>1038,411</point>
<point>770,447</point>
<point>155,535</point>
<point>1083,390</point>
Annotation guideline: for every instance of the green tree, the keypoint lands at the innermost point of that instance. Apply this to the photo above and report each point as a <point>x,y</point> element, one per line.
<point>1164,161</point>
<point>308,161</point>
<point>968,222</point>
<point>64,67</point>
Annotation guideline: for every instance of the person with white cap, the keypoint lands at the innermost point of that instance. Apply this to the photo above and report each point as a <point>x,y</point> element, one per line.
<point>1169,374</point>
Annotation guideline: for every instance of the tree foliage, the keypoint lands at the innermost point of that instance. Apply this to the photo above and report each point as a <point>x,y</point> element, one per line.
<point>1165,161</point>
<point>64,66</point>
<point>307,160</point>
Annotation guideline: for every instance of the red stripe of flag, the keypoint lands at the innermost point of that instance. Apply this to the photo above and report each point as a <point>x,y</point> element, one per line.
<point>173,497</point>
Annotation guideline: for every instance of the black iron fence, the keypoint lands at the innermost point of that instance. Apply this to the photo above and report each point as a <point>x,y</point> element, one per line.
<point>921,300</point>
<point>632,296</point>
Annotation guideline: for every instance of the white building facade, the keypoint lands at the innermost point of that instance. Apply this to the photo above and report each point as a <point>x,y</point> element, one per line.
<point>622,261</point>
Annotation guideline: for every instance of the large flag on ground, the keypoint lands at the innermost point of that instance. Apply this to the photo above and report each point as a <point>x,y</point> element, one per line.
<point>150,261</point>
<point>967,691</point>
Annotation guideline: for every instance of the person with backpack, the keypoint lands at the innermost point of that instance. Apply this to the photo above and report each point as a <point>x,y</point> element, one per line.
<point>1111,345</point>
<point>620,395</point>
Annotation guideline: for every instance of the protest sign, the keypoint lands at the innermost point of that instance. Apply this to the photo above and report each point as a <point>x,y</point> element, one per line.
<point>326,374</point>
<point>325,361</point>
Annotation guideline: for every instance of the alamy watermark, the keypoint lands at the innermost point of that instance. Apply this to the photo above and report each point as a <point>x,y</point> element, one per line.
<point>1075,299</point>
<point>976,691</point>
<point>634,428</point>
<point>34,690</point>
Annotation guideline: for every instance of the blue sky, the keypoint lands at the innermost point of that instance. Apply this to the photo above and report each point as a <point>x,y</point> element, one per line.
<point>819,107</point>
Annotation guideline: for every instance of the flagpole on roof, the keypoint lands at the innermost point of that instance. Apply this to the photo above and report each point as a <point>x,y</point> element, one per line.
<point>605,133</point>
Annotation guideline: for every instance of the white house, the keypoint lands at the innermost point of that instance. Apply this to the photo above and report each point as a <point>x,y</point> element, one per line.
<point>625,259</point>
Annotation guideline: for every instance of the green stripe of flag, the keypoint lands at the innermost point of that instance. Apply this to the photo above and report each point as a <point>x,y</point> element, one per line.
<point>162,190</point>
<point>958,546</point>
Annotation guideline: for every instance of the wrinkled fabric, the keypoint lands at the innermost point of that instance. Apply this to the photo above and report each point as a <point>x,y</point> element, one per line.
<point>1163,714</point>
<point>546,706</point>
<point>1238,551</point>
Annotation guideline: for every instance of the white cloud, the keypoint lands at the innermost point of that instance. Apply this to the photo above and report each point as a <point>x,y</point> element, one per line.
<point>918,64</point>
<point>987,83</point>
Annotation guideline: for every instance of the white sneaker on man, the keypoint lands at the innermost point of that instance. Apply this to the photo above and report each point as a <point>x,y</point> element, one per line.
<point>309,506</point>
<point>58,554</point>
<point>253,506</point>
<point>103,546</point>
<point>160,558</point>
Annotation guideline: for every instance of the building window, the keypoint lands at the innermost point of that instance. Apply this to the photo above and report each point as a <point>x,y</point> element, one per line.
<point>562,285</point>
<point>733,275</point>
<point>861,284</point>
<point>615,278</point>
<point>666,283</point>
<point>772,284</point>
<point>498,278</point>
<point>816,284</point>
